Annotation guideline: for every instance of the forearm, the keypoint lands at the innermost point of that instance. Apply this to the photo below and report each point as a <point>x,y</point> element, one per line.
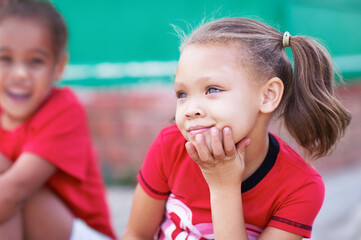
<point>8,205</point>
<point>145,216</point>
<point>227,214</point>
<point>22,178</point>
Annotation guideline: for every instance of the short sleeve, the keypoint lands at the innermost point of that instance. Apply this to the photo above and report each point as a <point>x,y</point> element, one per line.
<point>152,176</point>
<point>300,209</point>
<point>58,133</point>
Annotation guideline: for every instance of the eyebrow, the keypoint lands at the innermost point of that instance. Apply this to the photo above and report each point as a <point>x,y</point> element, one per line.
<point>42,52</point>
<point>204,79</point>
<point>37,50</point>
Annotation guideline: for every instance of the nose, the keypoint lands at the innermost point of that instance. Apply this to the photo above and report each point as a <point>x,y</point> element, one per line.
<point>194,110</point>
<point>19,72</point>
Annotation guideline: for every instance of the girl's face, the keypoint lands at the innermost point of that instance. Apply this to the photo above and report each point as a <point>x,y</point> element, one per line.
<point>213,90</point>
<point>28,69</point>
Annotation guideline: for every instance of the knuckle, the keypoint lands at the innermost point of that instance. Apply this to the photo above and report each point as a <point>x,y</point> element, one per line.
<point>218,155</point>
<point>229,149</point>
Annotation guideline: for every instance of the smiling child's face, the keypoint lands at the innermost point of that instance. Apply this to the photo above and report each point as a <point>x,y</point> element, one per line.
<point>27,69</point>
<point>214,90</point>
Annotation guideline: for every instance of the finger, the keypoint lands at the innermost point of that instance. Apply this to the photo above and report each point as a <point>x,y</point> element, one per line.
<point>202,149</point>
<point>192,152</point>
<point>242,146</point>
<point>216,144</point>
<point>228,143</point>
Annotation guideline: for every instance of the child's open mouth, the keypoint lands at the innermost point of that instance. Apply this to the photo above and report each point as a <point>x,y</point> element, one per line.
<point>18,96</point>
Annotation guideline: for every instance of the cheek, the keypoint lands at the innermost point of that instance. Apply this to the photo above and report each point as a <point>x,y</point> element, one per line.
<point>179,116</point>
<point>241,121</point>
<point>179,121</point>
<point>243,127</point>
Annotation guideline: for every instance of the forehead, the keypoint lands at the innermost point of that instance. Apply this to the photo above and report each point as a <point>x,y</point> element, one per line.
<point>24,34</point>
<point>212,53</point>
<point>208,61</point>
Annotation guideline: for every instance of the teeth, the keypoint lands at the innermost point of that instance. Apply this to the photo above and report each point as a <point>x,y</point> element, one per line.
<point>18,92</point>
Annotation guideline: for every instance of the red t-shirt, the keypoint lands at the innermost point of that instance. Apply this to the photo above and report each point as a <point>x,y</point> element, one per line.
<point>58,132</point>
<point>285,192</point>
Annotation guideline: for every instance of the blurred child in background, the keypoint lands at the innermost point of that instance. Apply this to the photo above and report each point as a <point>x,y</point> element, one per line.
<point>50,182</point>
<point>218,173</point>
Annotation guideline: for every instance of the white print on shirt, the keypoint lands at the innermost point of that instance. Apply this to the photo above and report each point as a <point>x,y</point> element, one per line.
<point>177,209</point>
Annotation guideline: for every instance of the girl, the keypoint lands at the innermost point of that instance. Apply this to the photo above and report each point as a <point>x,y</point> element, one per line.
<point>218,173</point>
<point>51,186</point>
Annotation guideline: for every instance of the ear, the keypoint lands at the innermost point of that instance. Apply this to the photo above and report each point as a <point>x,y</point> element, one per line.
<point>60,67</point>
<point>272,93</point>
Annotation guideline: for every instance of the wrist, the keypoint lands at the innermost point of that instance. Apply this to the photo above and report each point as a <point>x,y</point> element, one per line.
<point>225,191</point>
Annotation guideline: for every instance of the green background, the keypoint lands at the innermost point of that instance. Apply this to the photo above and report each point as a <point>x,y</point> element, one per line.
<point>117,32</point>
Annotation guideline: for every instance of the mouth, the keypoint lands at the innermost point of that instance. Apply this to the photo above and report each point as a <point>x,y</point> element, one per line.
<point>194,130</point>
<point>18,96</point>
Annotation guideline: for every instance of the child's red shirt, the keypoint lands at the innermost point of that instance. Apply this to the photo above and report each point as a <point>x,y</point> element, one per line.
<point>58,133</point>
<point>285,192</point>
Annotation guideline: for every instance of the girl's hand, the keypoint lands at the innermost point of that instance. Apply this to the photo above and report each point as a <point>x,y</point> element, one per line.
<point>223,164</point>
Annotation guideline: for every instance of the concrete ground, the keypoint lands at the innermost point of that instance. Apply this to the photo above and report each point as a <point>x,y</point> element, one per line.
<point>339,218</point>
<point>120,202</point>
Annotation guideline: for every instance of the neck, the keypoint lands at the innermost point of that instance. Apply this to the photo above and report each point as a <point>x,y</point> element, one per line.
<point>8,123</point>
<point>256,152</point>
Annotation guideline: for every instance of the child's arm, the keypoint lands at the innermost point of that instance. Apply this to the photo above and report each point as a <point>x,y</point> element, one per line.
<point>5,163</point>
<point>145,216</point>
<point>20,180</point>
<point>223,170</point>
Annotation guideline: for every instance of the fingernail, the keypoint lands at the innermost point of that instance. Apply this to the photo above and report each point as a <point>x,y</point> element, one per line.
<point>199,137</point>
<point>227,130</point>
<point>214,131</point>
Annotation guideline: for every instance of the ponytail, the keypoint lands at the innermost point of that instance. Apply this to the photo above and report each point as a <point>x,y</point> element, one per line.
<point>312,114</point>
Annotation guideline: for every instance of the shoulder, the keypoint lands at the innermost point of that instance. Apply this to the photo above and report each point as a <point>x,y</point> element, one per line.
<point>296,170</point>
<point>297,180</point>
<point>63,99</point>
<point>171,136</point>
<point>169,144</point>
<point>289,157</point>
<point>62,105</point>
<point>165,155</point>
<point>171,131</point>
<point>167,148</point>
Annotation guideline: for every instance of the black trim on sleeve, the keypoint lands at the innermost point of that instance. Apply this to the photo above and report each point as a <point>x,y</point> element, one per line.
<point>152,189</point>
<point>292,223</point>
<point>265,167</point>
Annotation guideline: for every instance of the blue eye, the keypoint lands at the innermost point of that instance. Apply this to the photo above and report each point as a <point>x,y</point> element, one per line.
<point>181,95</point>
<point>212,90</point>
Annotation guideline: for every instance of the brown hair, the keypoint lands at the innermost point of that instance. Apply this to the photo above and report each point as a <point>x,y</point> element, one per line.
<point>42,11</point>
<point>311,112</point>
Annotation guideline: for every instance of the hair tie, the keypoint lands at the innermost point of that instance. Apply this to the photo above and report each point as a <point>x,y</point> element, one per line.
<point>286,39</point>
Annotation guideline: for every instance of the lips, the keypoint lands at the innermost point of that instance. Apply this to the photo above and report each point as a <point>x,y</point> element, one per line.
<point>18,96</point>
<point>194,130</point>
